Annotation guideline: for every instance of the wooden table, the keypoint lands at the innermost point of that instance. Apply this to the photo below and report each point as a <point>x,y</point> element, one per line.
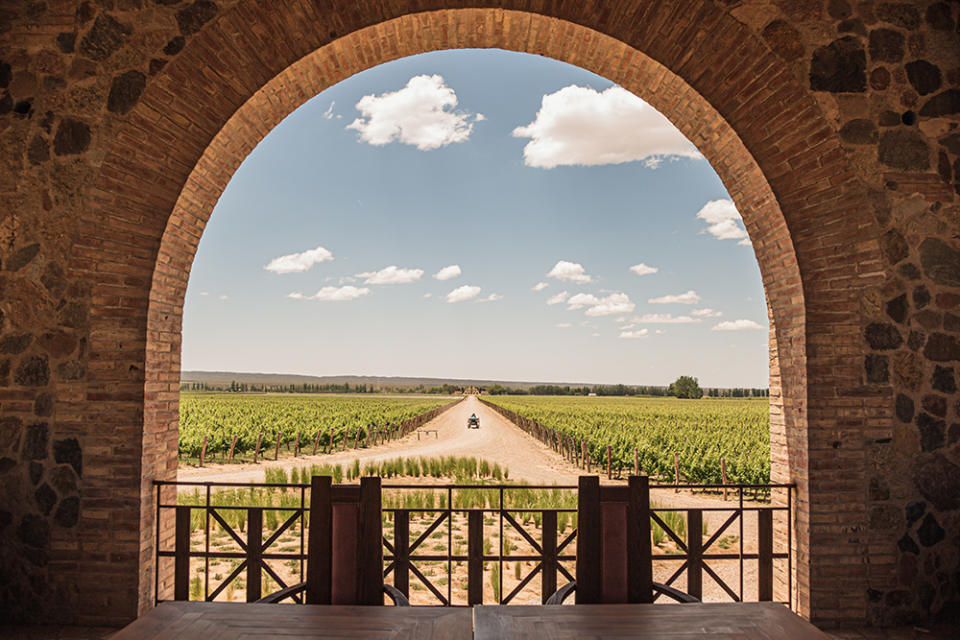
<point>228,620</point>
<point>754,620</point>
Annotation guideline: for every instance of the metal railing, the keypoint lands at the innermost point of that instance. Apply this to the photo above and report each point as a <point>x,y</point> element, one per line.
<point>472,533</point>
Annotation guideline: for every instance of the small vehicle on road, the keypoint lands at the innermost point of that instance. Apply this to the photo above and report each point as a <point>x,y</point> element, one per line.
<point>473,422</point>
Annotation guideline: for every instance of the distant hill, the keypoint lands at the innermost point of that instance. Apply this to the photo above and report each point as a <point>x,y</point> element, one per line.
<point>226,377</point>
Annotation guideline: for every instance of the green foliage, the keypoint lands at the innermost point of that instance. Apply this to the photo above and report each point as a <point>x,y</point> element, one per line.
<point>700,432</point>
<point>686,387</point>
<point>221,416</point>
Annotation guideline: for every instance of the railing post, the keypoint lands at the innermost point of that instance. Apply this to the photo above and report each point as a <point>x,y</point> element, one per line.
<point>549,546</point>
<point>181,558</point>
<point>765,555</point>
<point>695,553</point>
<point>401,548</point>
<point>636,462</point>
<point>474,557</point>
<point>254,552</point>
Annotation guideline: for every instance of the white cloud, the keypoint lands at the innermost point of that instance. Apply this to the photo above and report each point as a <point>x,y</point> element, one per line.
<point>463,293</point>
<point>557,299</point>
<point>665,318</point>
<point>391,275</point>
<point>738,325</point>
<point>690,297</point>
<point>540,286</point>
<point>607,306</point>
<point>612,304</point>
<point>706,313</point>
<point>204,293</point>
<point>479,117</point>
<point>643,270</point>
<point>428,295</point>
<point>572,271</point>
<point>581,300</point>
<point>581,126</point>
<point>446,273</point>
<point>723,220</point>
<point>564,325</point>
<point>223,296</point>
<point>328,114</point>
<point>420,115</point>
<point>660,331</point>
<point>627,326</point>
<point>333,294</point>
<point>493,297</point>
<point>297,262</point>
<point>632,335</point>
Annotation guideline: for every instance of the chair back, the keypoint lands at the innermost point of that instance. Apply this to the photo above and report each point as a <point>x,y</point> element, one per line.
<point>614,563</point>
<point>345,552</point>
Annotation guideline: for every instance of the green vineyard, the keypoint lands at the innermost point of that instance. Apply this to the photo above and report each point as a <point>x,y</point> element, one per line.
<point>700,432</point>
<point>338,420</point>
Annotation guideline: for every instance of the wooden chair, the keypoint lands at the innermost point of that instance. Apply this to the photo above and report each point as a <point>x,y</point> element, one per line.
<point>614,562</point>
<point>345,552</point>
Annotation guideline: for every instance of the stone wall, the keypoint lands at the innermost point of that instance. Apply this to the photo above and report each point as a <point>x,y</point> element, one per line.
<point>842,114</point>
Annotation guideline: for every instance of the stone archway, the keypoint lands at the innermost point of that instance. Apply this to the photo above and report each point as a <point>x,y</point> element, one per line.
<point>519,31</point>
<point>171,156</point>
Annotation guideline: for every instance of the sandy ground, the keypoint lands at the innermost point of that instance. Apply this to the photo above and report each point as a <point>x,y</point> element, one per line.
<point>529,462</point>
<point>497,440</point>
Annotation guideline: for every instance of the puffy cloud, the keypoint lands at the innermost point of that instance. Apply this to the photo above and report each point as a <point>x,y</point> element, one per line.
<point>632,335</point>
<point>581,126</point>
<point>643,270</point>
<point>665,318</point>
<point>204,293</point>
<point>463,293</point>
<point>540,286</point>
<point>607,306</point>
<point>297,262</point>
<point>420,115</point>
<point>564,325</point>
<point>333,294</point>
<point>428,295</point>
<point>706,313</point>
<point>660,331</point>
<point>723,221</point>
<point>328,114</point>
<point>582,300</point>
<point>557,299</point>
<point>479,117</point>
<point>391,275</point>
<point>738,325</point>
<point>493,297</point>
<point>223,296</point>
<point>690,297</point>
<point>448,272</point>
<point>572,271</point>
<point>612,304</point>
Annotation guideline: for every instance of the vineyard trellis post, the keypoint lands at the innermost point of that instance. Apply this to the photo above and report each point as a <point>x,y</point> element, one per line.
<point>203,450</point>
<point>676,469</point>
<point>723,475</point>
<point>256,451</point>
<point>296,445</point>
<point>276,453</point>
<point>233,445</point>
<point>316,441</point>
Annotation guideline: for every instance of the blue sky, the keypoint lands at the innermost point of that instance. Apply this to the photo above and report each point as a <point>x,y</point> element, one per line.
<point>514,168</point>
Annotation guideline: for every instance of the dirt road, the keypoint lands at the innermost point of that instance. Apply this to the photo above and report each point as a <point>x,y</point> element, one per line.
<point>497,440</point>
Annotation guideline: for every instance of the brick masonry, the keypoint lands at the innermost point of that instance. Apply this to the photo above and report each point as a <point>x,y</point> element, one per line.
<point>833,124</point>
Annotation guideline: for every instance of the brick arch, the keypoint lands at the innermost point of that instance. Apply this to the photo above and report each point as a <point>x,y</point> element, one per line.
<point>761,131</point>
